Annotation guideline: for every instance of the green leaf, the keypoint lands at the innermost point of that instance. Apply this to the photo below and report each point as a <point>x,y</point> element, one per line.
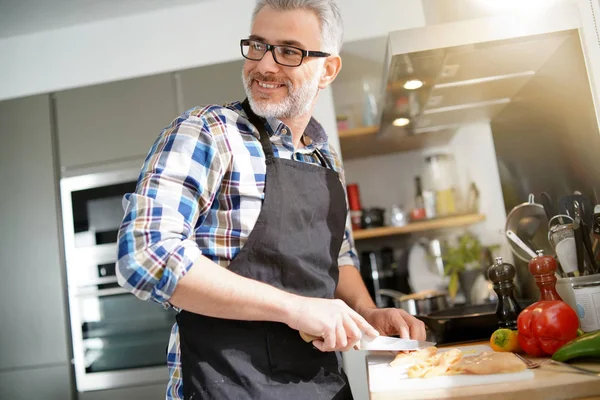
<point>453,285</point>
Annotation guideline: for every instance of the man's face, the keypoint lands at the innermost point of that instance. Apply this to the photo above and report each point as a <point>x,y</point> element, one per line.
<point>277,91</point>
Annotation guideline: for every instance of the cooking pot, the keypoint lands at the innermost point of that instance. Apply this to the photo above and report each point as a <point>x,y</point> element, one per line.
<point>464,323</point>
<point>421,303</point>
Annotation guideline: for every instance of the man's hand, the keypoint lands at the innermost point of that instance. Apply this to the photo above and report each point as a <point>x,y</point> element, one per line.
<point>394,321</point>
<point>338,326</point>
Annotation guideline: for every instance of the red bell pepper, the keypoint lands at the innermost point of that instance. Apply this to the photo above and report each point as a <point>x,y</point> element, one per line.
<point>545,326</point>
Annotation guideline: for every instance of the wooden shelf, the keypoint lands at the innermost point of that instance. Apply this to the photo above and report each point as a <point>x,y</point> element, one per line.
<point>361,131</point>
<point>420,226</point>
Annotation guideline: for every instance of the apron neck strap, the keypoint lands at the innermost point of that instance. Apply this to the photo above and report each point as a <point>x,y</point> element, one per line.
<point>265,141</point>
<point>259,123</point>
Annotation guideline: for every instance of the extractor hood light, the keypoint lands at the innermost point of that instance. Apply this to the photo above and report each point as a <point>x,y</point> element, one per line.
<point>401,122</point>
<point>413,84</point>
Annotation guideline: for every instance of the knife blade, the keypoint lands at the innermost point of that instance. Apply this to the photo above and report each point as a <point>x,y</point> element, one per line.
<point>382,343</point>
<point>388,343</point>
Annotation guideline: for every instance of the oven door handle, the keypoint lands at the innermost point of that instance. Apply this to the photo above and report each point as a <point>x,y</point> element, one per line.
<point>102,292</point>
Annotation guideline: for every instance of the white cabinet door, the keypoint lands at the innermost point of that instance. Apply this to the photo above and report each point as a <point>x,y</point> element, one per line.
<point>33,327</point>
<point>49,383</point>
<point>113,122</point>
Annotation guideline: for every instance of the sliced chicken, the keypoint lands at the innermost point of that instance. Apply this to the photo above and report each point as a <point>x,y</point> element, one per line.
<point>488,363</point>
<point>413,357</point>
<point>436,365</point>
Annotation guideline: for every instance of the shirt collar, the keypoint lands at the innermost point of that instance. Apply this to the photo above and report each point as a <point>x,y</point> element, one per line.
<point>314,130</point>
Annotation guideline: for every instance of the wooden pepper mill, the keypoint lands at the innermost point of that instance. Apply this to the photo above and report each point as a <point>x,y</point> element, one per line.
<point>507,309</point>
<point>543,269</point>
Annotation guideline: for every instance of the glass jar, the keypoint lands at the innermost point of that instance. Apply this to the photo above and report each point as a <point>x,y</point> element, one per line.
<point>440,177</point>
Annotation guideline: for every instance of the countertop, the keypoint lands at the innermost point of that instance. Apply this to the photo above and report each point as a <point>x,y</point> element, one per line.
<point>549,383</point>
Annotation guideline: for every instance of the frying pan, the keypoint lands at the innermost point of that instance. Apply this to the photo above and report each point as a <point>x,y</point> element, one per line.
<point>464,323</point>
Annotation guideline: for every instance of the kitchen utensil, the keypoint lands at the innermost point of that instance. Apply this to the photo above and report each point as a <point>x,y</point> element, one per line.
<point>388,343</point>
<point>381,343</point>
<point>587,242</point>
<point>562,238</point>
<point>566,206</point>
<point>576,369</point>
<point>516,240</point>
<point>596,230</point>
<point>464,323</point>
<point>421,303</point>
<point>529,363</point>
<point>522,220</point>
<point>546,202</point>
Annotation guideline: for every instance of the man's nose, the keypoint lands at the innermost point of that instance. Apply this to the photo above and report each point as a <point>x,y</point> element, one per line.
<point>268,64</point>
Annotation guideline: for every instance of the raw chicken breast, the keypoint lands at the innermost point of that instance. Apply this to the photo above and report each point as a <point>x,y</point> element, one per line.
<point>488,363</point>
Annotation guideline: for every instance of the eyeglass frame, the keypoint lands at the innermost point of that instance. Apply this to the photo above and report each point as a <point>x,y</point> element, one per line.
<point>272,47</point>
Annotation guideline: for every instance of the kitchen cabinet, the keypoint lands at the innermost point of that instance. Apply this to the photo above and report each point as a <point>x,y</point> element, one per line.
<point>150,392</point>
<point>32,294</point>
<point>48,383</point>
<point>113,122</point>
<point>213,84</point>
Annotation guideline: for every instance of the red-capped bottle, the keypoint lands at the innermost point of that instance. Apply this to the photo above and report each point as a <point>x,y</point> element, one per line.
<point>543,269</point>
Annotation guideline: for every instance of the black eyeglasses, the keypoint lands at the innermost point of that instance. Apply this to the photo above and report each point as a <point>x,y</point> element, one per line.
<point>288,56</point>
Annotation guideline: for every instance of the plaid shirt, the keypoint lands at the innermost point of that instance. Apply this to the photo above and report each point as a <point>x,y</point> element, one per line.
<point>200,192</point>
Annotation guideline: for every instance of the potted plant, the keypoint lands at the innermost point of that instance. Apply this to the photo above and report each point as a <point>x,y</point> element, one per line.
<point>463,262</point>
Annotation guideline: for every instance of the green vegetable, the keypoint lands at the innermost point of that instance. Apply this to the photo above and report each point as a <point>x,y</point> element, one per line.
<point>586,345</point>
<point>579,332</point>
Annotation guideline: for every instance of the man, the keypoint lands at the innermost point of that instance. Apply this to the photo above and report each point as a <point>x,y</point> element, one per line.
<point>239,221</point>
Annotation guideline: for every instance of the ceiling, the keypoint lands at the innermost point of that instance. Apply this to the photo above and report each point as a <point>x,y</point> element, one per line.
<point>18,17</point>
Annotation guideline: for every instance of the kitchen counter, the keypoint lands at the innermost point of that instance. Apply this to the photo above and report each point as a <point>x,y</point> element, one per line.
<point>549,382</point>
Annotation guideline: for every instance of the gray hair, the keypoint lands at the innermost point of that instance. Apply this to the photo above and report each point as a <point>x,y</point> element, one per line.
<point>328,12</point>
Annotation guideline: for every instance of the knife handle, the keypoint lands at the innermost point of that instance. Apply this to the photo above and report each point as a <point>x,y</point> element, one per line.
<point>307,337</point>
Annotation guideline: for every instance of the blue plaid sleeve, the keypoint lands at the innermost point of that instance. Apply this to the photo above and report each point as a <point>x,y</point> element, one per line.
<point>176,187</point>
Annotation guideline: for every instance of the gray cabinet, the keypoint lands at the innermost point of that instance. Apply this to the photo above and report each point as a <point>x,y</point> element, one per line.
<point>150,392</point>
<point>33,331</point>
<point>50,383</point>
<point>113,122</point>
<point>213,84</point>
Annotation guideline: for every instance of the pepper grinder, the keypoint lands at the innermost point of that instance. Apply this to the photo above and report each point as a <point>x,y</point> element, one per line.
<point>543,269</point>
<point>507,309</point>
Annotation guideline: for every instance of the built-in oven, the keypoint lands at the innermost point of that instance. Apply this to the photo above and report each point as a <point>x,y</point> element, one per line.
<point>118,340</point>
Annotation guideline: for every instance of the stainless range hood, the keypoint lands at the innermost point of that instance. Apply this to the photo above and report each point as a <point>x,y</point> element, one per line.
<point>470,70</point>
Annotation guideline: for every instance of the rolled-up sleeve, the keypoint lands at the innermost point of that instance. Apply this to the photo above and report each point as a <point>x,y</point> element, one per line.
<point>175,190</point>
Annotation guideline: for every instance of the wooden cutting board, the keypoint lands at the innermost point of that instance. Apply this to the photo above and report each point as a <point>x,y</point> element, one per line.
<point>383,378</point>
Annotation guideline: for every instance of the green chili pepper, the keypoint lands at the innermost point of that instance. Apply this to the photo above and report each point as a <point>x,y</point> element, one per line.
<point>586,345</point>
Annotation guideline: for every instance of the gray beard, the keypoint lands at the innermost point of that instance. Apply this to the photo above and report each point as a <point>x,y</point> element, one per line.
<point>298,101</point>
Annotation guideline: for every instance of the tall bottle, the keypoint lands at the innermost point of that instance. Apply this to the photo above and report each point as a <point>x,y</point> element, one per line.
<point>543,269</point>
<point>419,211</point>
<point>507,309</point>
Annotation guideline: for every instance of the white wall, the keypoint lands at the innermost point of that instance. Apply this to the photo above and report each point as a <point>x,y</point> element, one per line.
<point>388,180</point>
<point>161,41</point>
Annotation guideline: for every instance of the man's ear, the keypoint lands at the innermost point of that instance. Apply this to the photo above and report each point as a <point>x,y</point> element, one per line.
<point>332,67</point>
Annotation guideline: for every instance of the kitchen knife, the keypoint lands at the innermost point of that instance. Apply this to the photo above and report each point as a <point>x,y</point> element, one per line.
<point>382,343</point>
<point>388,343</point>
